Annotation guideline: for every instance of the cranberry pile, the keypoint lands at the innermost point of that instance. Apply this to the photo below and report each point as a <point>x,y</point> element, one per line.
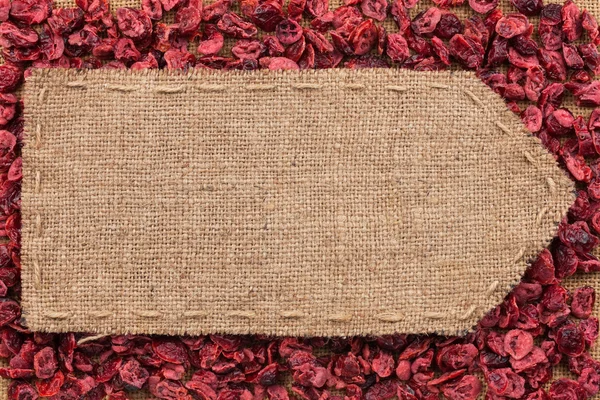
<point>535,67</point>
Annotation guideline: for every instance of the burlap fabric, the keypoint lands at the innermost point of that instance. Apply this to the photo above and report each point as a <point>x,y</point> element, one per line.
<point>315,203</point>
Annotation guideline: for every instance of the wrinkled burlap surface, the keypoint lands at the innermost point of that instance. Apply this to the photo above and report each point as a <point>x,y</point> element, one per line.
<point>326,203</point>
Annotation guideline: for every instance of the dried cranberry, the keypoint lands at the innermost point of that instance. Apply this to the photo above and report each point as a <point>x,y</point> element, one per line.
<point>571,19</point>
<point>528,7</point>
<point>466,50</point>
<point>153,8</point>
<point>512,25</point>
<point>376,9</point>
<point>267,15</point>
<point>21,391</point>
<point>133,374</point>
<point>467,387</point>
<point>188,21</point>
<point>231,24</point>
<point>45,363</point>
<point>397,47</point>
<point>583,302</point>
<point>483,6</point>
<point>316,8</point>
<point>134,24</point>
<point>288,31</point>
<point>456,356</point>
<point>448,26</point>
<point>570,340</point>
<point>566,389</point>
<point>426,21</point>
<point>504,382</point>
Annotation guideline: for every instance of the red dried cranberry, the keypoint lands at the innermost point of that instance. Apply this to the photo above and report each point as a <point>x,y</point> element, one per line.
<point>583,302</point>
<point>45,363</point>
<point>376,9</point>
<point>188,21</point>
<point>571,19</point>
<point>512,25</point>
<point>267,15</point>
<point>19,390</point>
<point>504,382</point>
<point>13,36</point>
<point>528,7</point>
<point>570,340</point>
<point>467,51</point>
<point>426,21</point>
<point>231,24</point>
<point>397,47</point>
<point>566,389</point>
<point>134,24</point>
<point>467,387</point>
<point>213,43</point>
<point>248,49</point>
<point>153,8</point>
<point>278,63</point>
<point>288,31</point>
<point>316,8</point>
<point>30,11</point>
<point>448,26</point>
<point>483,6</point>
<point>456,356</point>
<point>383,364</point>
<point>133,374</point>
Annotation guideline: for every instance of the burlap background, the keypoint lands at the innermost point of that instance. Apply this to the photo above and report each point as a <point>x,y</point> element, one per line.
<point>326,203</point>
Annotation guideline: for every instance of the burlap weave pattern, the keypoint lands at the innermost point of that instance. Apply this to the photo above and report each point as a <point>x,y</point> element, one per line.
<point>303,203</point>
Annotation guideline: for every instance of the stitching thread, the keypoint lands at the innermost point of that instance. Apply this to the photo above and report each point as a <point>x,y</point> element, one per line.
<point>57,314</point>
<point>211,88</point>
<point>475,99</point>
<point>37,275</point>
<point>395,88</point>
<point>169,89</point>
<point>519,255</point>
<point>551,185</point>
<point>195,314</point>
<point>291,314</point>
<point>467,313</point>
<point>540,215</point>
<point>38,182</point>
<point>503,128</point>
<point>147,313</point>
<point>90,339</point>
<point>492,288</point>
<point>242,314</point>
<point>341,317</point>
<point>390,317</point>
<point>121,88</point>
<point>530,158</point>
<point>302,86</point>
<point>439,86</point>
<point>100,314</point>
<point>38,137</point>
<point>77,84</point>
<point>434,315</point>
<point>260,87</point>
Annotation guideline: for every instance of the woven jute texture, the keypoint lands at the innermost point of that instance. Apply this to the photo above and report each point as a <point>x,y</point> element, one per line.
<point>292,203</point>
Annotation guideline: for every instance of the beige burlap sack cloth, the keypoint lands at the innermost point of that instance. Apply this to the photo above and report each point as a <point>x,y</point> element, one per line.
<point>331,202</point>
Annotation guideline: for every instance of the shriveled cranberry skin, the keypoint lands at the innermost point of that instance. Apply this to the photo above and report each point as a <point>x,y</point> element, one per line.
<point>10,78</point>
<point>570,340</point>
<point>528,7</point>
